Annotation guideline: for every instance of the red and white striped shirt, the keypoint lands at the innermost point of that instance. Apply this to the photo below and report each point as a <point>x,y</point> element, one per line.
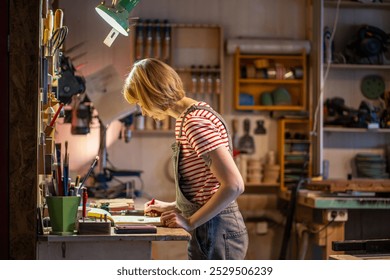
<point>202,132</point>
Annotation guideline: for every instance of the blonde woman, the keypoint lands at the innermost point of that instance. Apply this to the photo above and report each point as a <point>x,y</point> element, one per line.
<point>207,180</point>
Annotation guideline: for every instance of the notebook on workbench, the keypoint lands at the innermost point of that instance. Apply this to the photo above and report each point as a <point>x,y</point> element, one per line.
<point>135,229</point>
<point>126,219</point>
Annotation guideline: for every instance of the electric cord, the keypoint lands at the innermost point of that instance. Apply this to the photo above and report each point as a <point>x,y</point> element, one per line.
<point>325,77</point>
<point>302,241</point>
<point>322,228</point>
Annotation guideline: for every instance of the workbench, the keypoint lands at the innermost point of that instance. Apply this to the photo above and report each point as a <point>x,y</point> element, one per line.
<point>105,247</point>
<point>315,207</point>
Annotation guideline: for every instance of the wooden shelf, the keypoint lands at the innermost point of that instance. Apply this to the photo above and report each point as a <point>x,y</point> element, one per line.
<point>269,81</point>
<point>296,141</point>
<point>299,167</point>
<point>198,45</point>
<point>357,185</point>
<point>357,5</point>
<point>359,66</point>
<point>355,130</point>
<point>270,108</point>
<point>343,80</point>
<point>204,70</point>
<point>254,82</point>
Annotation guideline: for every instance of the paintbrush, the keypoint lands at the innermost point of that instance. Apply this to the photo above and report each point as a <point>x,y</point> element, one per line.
<point>66,169</point>
<point>89,171</point>
<point>59,172</point>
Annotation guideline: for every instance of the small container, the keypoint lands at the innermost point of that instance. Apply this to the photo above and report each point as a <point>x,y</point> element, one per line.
<point>140,122</point>
<point>165,124</point>
<point>209,84</point>
<point>157,40</point>
<point>149,123</point>
<point>194,80</point>
<point>166,42</point>
<point>217,81</point>
<point>149,40</point>
<point>325,172</point>
<point>202,81</point>
<point>157,125</point>
<point>139,41</point>
<point>266,99</point>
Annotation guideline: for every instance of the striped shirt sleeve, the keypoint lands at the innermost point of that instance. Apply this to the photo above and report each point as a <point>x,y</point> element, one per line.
<point>205,133</point>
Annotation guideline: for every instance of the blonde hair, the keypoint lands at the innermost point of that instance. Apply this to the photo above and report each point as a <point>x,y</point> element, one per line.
<point>153,84</point>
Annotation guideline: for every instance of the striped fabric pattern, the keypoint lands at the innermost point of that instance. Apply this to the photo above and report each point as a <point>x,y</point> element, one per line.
<point>202,132</point>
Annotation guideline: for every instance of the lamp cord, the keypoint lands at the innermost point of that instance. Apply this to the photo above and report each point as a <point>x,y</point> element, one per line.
<point>316,113</point>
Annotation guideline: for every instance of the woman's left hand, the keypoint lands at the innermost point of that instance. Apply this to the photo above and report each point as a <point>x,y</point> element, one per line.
<point>174,219</point>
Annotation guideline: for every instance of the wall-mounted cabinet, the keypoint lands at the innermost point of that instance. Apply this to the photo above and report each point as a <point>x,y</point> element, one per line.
<point>277,82</point>
<point>197,55</point>
<point>270,82</point>
<point>294,151</point>
<point>342,136</point>
<point>195,51</point>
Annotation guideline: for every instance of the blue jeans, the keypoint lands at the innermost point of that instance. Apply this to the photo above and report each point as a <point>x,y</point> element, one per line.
<point>224,237</point>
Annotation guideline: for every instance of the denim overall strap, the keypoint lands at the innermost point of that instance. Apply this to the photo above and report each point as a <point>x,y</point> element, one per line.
<point>182,203</point>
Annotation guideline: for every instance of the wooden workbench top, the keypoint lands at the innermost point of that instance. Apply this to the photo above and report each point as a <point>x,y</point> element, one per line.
<point>163,234</point>
<point>327,200</point>
<point>357,185</point>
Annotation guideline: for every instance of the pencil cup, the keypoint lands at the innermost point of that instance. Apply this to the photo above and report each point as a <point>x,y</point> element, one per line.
<point>63,212</point>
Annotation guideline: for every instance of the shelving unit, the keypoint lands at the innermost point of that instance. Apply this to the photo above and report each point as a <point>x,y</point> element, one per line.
<point>195,51</point>
<point>339,145</point>
<point>279,71</point>
<point>197,54</point>
<point>357,5</point>
<point>294,148</point>
<point>330,129</point>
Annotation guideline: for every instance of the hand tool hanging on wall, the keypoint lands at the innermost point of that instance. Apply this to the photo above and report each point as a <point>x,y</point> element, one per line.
<point>260,129</point>
<point>247,143</point>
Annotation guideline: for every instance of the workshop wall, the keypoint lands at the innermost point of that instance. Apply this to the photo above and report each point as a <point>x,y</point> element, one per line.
<point>238,18</point>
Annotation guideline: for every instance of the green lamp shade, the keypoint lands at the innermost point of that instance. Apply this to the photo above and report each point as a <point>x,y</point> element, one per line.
<point>118,17</point>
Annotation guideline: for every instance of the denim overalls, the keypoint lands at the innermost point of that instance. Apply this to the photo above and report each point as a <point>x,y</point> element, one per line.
<point>224,237</point>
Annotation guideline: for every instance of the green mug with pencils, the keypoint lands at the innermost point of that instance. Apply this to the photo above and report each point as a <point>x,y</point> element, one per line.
<point>63,213</point>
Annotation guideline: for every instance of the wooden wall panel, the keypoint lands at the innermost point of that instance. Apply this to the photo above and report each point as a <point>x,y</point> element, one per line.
<point>23,108</point>
<point>4,236</point>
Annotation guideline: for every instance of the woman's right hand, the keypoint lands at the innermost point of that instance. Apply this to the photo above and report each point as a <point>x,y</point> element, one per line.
<point>155,207</point>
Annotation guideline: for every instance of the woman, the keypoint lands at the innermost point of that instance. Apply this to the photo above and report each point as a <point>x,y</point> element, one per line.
<point>206,177</point>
